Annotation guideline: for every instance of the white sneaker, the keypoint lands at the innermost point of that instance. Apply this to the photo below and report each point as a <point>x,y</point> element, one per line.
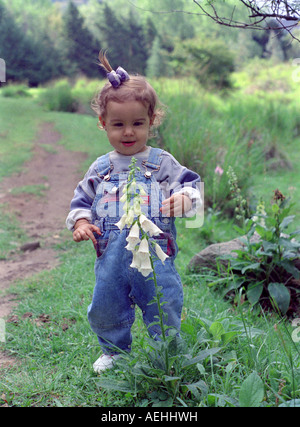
<point>105,361</point>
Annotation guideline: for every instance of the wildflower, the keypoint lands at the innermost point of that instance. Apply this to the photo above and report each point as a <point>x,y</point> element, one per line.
<point>130,217</point>
<point>145,267</point>
<point>123,199</point>
<point>149,227</point>
<point>121,224</point>
<point>144,247</point>
<point>133,238</point>
<point>141,259</point>
<point>160,253</point>
<point>259,214</point>
<point>137,206</point>
<point>278,196</point>
<point>219,171</point>
<point>138,223</point>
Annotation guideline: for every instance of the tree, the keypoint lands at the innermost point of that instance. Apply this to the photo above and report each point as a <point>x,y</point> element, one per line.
<point>208,60</point>
<point>155,63</point>
<point>262,14</point>
<point>137,47</point>
<point>81,49</point>
<point>114,37</point>
<point>26,59</point>
<point>125,40</point>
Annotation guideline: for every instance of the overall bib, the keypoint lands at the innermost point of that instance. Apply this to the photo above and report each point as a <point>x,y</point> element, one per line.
<point>119,287</point>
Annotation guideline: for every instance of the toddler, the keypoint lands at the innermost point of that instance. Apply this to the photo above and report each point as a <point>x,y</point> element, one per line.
<point>128,108</point>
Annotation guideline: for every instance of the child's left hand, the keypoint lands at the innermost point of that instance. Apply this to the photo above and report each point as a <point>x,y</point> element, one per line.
<point>176,205</point>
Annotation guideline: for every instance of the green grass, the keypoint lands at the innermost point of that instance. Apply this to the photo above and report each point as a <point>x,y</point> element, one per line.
<point>52,341</point>
<point>55,348</point>
<point>11,236</point>
<point>19,119</point>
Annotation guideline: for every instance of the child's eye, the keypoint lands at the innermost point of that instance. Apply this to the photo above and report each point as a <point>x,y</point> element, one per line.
<point>138,123</point>
<point>118,124</point>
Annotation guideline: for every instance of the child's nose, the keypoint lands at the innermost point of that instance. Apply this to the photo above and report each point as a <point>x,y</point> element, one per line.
<point>128,130</point>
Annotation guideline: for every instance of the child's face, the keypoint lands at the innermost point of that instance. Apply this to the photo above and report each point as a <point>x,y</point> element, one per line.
<point>127,126</point>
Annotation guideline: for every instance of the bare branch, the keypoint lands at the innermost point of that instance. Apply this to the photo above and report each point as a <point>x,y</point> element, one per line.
<point>268,15</point>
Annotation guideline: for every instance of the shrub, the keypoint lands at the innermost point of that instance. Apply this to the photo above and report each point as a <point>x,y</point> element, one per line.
<point>265,269</point>
<point>210,61</point>
<point>59,98</point>
<point>15,91</point>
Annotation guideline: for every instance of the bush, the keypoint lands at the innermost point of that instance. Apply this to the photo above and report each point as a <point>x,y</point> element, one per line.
<point>266,269</point>
<point>210,61</point>
<point>59,98</point>
<point>15,91</point>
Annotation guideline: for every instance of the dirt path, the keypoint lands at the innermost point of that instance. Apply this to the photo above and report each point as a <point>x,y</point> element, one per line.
<point>41,217</point>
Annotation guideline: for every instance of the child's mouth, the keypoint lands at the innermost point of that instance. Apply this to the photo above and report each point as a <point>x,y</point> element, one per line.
<point>128,144</point>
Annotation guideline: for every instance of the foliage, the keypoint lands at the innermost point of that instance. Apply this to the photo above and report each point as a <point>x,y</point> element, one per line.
<point>125,40</point>
<point>80,46</point>
<point>26,58</point>
<point>58,98</point>
<point>264,269</point>
<point>15,91</point>
<point>210,61</point>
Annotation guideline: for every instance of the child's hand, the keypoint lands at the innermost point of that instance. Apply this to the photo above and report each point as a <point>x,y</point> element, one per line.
<point>176,205</point>
<point>84,231</point>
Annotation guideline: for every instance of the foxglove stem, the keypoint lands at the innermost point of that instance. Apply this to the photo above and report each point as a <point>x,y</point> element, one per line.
<point>142,258</point>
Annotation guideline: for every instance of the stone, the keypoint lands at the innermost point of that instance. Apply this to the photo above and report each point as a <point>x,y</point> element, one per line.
<point>208,257</point>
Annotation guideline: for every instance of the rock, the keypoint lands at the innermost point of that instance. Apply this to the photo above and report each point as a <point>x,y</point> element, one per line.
<point>208,257</point>
<point>30,246</point>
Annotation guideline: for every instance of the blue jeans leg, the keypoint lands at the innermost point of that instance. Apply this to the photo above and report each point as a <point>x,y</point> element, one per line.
<point>112,312</point>
<point>169,283</point>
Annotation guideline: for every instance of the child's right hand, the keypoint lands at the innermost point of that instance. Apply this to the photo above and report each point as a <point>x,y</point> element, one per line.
<point>84,231</point>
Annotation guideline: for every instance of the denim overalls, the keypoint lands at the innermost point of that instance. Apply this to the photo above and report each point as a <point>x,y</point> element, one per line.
<point>120,287</point>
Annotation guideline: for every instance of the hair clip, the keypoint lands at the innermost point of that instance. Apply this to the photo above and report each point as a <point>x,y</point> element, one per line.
<point>116,78</point>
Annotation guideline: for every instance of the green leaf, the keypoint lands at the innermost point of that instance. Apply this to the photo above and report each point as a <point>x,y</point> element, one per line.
<point>290,268</point>
<point>201,356</point>
<point>286,221</point>
<point>229,336</point>
<point>281,296</point>
<point>254,266</point>
<point>251,392</point>
<point>294,403</point>
<point>217,329</point>
<point>196,387</point>
<point>254,292</point>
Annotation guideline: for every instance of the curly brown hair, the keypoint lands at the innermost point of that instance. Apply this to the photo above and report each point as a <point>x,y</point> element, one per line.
<point>135,89</point>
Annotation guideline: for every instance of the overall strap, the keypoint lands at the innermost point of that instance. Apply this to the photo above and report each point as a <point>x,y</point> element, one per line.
<point>104,166</point>
<point>153,162</point>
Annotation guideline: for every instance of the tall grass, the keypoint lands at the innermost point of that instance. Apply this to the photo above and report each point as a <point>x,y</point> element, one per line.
<point>203,130</point>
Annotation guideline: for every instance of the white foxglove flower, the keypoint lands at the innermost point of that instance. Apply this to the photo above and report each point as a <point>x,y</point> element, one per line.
<point>133,238</point>
<point>160,253</point>
<point>123,199</point>
<point>137,207</point>
<point>149,227</point>
<point>121,224</point>
<point>141,262</point>
<point>129,217</point>
<point>142,191</point>
<point>144,247</point>
<point>136,261</point>
<point>145,267</point>
<point>132,187</point>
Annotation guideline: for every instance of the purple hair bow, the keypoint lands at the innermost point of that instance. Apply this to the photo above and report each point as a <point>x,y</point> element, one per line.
<point>117,77</point>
